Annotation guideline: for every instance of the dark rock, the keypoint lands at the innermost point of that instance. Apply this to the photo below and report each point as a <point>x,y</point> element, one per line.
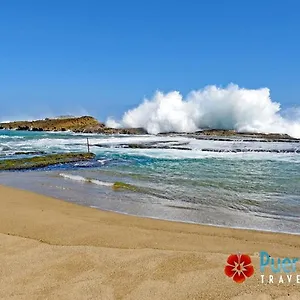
<point>24,128</point>
<point>30,153</point>
<point>37,129</point>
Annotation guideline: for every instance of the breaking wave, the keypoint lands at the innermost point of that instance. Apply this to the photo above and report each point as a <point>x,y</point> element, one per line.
<point>245,110</point>
<point>86,180</point>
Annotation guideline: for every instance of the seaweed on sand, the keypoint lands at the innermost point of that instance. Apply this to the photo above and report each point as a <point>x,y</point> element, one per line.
<point>122,185</point>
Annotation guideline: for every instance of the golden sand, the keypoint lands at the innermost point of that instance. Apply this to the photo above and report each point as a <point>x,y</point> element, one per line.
<point>51,249</point>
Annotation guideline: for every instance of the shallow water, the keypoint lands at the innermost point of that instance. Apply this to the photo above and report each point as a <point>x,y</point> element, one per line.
<point>258,190</point>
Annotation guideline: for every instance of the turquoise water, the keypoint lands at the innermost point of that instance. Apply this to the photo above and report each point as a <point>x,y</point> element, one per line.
<point>233,183</point>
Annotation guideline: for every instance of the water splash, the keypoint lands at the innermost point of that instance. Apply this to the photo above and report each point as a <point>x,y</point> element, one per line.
<point>249,110</point>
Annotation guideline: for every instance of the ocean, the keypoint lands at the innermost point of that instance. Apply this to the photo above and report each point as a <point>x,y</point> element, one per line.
<point>238,183</point>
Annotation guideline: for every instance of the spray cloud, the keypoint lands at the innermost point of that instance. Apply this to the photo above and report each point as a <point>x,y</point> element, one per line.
<point>250,110</point>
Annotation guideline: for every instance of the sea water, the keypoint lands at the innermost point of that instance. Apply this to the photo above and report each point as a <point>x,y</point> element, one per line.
<point>233,183</point>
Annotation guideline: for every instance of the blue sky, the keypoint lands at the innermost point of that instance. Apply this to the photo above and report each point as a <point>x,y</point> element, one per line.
<point>103,57</point>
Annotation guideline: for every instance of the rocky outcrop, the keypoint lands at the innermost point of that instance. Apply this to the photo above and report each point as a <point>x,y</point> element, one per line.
<point>230,135</point>
<point>220,132</point>
<point>52,124</point>
<point>43,161</point>
<point>102,129</point>
<point>85,124</point>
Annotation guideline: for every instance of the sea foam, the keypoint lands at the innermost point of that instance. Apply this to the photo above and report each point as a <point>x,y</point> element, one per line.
<point>84,179</point>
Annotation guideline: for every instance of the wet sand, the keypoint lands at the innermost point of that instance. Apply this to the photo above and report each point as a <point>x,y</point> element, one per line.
<point>52,249</point>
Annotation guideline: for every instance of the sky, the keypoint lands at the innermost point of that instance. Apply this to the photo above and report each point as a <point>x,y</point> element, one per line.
<point>103,57</point>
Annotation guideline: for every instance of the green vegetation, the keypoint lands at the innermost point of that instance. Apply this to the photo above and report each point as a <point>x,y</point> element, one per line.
<point>121,185</point>
<point>43,161</point>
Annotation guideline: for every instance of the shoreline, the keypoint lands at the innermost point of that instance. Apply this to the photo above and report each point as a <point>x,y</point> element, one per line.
<point>149,218</point>
<point>254,230</point>
<point>145,216</point>
<point>54,249</point>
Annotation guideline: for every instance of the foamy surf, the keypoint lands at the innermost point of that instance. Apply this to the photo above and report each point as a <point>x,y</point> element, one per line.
<point>85,180</point>
<point>103,161</point>
<point>11,137</point>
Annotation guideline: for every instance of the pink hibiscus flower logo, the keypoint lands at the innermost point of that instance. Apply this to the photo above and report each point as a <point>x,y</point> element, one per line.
<point>239,267</point>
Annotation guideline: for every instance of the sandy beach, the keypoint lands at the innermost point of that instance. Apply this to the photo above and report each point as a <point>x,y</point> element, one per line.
<point>52,249</point>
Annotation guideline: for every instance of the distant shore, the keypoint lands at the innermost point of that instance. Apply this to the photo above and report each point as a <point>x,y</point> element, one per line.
<point>51,249</point>
<point>84,124</point>
<point>88,124</point>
